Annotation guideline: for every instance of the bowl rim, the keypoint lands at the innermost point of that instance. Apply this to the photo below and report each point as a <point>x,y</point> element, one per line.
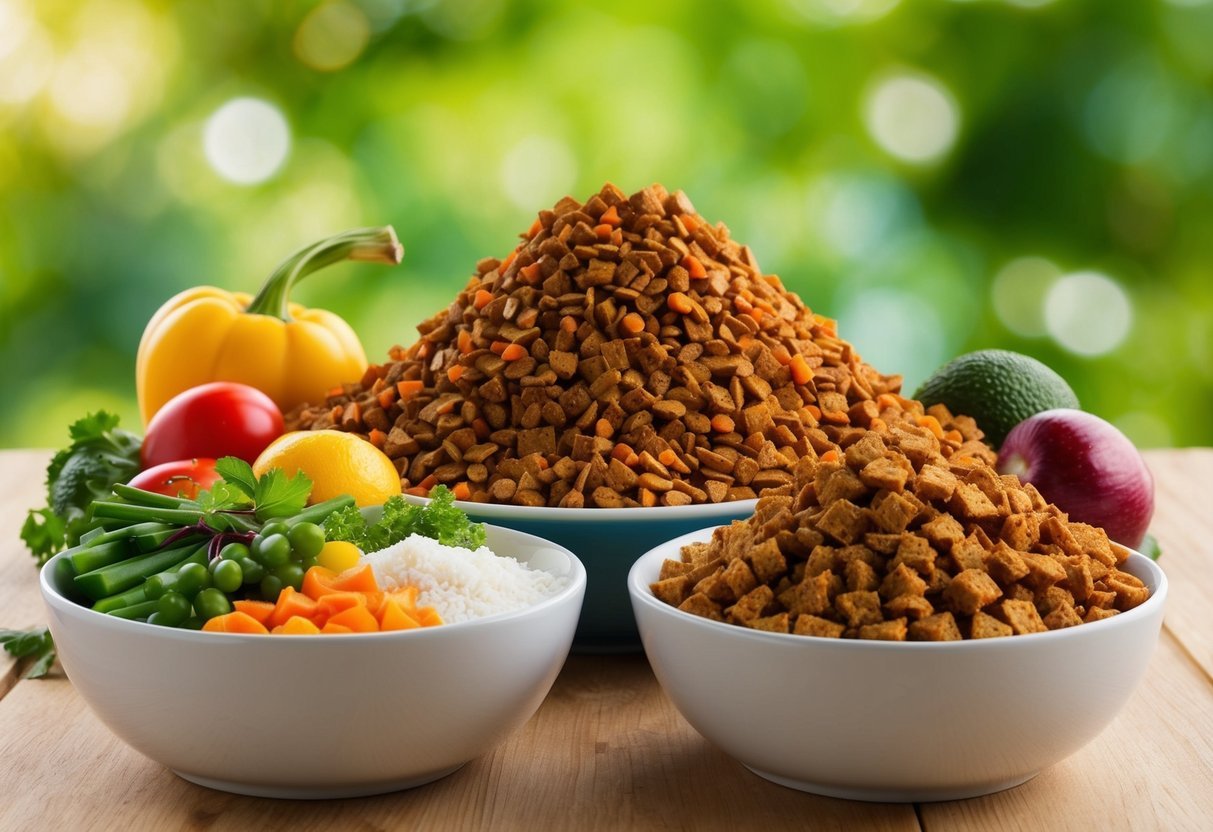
<point>53,598</point>
<point>638,589</point>
<point>632,514</point>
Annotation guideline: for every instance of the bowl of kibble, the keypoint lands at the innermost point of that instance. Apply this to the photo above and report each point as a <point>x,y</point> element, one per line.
<point>901,623</point>
<point>626,374</point>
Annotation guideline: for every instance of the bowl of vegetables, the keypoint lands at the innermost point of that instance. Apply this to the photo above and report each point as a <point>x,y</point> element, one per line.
<point>151,617</point>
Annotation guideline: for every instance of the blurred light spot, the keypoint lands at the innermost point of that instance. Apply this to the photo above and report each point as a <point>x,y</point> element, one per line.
<point>246,140</point>
<point>26,66</point>
<point>538,170</point>
<point>1030,4</point>
<point>1088,313</point>
<point>16,24</point>
<point>1189,3</point>
<point>913,117</point>
<point>1018,294</point>
<point>89,89</point>
<point>383,14</point>
<point>462,19</point>
<point>836,12</point>
<point>765,82</point>
<point>332,36</point>
<point>853,214</point>
<point>894,330</point>
<point>1145,429</point>
<point>1131,111</point>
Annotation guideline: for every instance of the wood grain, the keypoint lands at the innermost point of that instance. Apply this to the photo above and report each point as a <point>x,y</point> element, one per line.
<point>607,749</point>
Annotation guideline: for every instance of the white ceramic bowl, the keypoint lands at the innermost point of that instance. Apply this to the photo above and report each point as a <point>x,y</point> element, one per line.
<point>321,716</point>
<point>895,721</point>
<point>608,541</point>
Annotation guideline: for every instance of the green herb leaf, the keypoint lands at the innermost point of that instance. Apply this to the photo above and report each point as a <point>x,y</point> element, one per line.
<point>345,524</point>
<point>440,519</point>
<point>280,496</point>
<point>239,473</point>
<point>34,643</point>
<point>222,496</point>
<point>43,533</point>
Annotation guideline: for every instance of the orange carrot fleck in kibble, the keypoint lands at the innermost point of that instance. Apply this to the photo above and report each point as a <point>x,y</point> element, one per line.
<point>632,323</point>
<point>505,264</point>
<point>830,456</point>
<point>694,267</point>
<point>887,400</point>
<point>954,436</point>
<point>801,374</point>
<point>335,413</point>
<point>513,352</point>
<point>603,428</point>
<point>377,438</point>
<point>814,411</point>
<point>409,388</point>
<point>680,303</point>
<point>723,423</point>
<point>464,341</point>
<point>878,425</point>
<point>603,231</point>
<point>781,354</point>
<point>931,424</point>
<point>530,274</point>
<point>455,373</point>
<point>610,216</point>
<point>461,491</point>
<point>568,323</point>
<point>428,483</point>
<point>648,499</point>
<point>622,451</point>
<point>334,392</point>
<point>535,228</point>
<point>483,298</point>
<point>617,237</point>
<point>499,346</point>
<point>423,349</point>
<point>417,491</point>
<point>690,222</point>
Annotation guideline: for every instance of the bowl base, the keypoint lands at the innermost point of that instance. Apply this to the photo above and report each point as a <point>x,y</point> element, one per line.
<point>315,793</point>
<point>895,795</point>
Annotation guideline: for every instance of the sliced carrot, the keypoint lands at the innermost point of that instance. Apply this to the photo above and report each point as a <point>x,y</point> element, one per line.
<point>499,346</point>
<point>464,341</point>
<point>877,425</point>
<point>781,354</point>
<point>482,299</point>
<point>723,423</point>
<point>318,582</point>
<point>386,397</point>
<point>377,438</point>
<point>454,373</point>
<point>505,264</point>
<point>801,374</point>
<point>334,602</point>
<point>359,619</point>
<point>530,274</point>
<point>417,491</point>
<point>461,491</point>
<point>622,451</point>
<point>292,603</point>
<point>297,625</point>
<point>603,231</point>
<point>694,267</point>
<point>235,622</point>
<point>513,352</point>
<point>429,482</point>
<point>617,237</point>
<point>680,303</point>
<point>648,498</point>
<point>257,610</point>
<point>830,456</point>
<point>610,216</point>
<point>330,628</point>
<point>603,428</point>
<point>931,424</point>
<point>954,436</point>
<point>427,617</point>
<point>409,388</point>
<point>535,228</point>
<point>392,617</point>
<point>359,578</point>
<point>632,323</point>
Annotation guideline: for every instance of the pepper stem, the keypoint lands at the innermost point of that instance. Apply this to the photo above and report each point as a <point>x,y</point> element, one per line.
<point>367,245</point>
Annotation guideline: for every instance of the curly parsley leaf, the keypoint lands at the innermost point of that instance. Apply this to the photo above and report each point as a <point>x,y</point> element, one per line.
<point>34,643</point>
<point>440,519</point>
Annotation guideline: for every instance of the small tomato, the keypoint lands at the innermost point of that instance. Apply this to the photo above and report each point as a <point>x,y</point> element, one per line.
<point>212,421</point>
<point>181,478</point>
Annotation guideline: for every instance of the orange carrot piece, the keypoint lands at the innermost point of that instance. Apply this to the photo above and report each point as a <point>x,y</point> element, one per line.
<point>603,231</point>
<point>482,299</point>
<point>318,582</point>
<point>513,352</point>
<point>622,451</point>
<point>801,374</point>
<point>931,424</point>
<point>454,373</point>
<point>360,578</point>
<point>723,423</point>
<point>429,482</point>
<point>617,237</point>
<point>260,611</point>
<point>535,228</point>
<point>632,323</point>
<point>406,597</point>
<point>505,264</point>
<point>377,438</point>
<point>781,354</point>
<point>878,425</point>
<point>464,341</point>
<point>427,617</point>
<point>461,491</point>
<point>568,323</point>
<point>689,222</point>
<point>235,622</point>
<point>335,391</point>
<point>297,625</point>
<point>648,499</point>
<point>530,274</point>
<point>610,216</point>
<point>359,619</point>
<point>830,456</point>
<point>680,303</point>
<point>330,628</point>
<point>814,411</point>
<point>603,428</point>
<point>417,491</point>
<point>409,388</point>
<point>954,436</point>
<point>392,617</point>
<point>292,603</point>
<point>329,605</point>
<point>694,267</point>
<point>499,346</point>
<point>386,397</point>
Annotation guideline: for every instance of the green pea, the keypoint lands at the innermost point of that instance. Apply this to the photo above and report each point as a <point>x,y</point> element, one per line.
<point>253,571</point>
<point>227,575</point>
<point>158,619</point>
<point>192,579</point>
<point>210,603</point>
<point>307,539</point>
<point>274,527</point>
<point>234,551</point>
<point>274,550</point>
<point>172,609</point>
<point>271,587</point>
<point>290,574</point>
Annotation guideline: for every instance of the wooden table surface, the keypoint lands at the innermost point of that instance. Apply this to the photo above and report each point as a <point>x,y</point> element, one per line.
<point>607,750</point>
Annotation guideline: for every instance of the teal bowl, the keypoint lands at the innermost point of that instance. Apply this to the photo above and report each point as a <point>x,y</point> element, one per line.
<point>607,541</point>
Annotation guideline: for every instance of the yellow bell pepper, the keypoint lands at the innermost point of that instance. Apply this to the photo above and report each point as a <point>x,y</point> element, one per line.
<point>293,355</point>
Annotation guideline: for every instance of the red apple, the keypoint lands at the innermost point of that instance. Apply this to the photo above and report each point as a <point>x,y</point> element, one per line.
<point>1086,467</point>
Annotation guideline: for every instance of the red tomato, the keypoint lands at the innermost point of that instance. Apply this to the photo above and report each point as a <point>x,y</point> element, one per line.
<point>183,478</point>
<point>213,420</point>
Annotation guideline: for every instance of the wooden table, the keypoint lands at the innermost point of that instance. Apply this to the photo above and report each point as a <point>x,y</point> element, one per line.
<point>607,750</point>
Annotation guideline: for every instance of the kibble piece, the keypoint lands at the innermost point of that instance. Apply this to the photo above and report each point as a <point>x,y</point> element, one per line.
<point>752,604</point>
<point>767,561</point>
<point>970,553</point>
<point>1022,616</point>
<point>893,512</point>
<point>987,626</point>
<point>859,608</point>
<point>943,532</point>
<point>894,630</point>
<point>860,575</point>
<point>1042,569</point>
<point>938,627</point>
<point>702,606</point>
<point>916,553</point>
<point>935,483</point>
<point>970,502</point>
<point>843,521</point>
<point>1005,564</point>
<point>777,623</point>
<point>672,590</point>
<point>884,473</point>
<point>1061,617</point>
<point>971,590</point>
<point>902,581</point>
<point>809,597</point>
<point>812,625</point>
<point>739,577</point>
<point>913,606</point>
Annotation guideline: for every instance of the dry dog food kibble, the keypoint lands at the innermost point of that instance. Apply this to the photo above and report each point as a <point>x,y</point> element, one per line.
<point>626,353</point>
<point>900,533</point>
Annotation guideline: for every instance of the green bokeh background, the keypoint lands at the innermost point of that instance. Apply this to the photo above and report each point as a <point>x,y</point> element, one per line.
<point>1084,137</point>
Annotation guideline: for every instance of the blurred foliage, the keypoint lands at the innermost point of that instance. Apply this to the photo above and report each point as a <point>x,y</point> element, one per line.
<point>1077,131</point>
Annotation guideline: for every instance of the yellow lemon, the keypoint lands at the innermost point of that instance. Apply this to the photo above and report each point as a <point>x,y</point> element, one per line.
<point>337,463</point>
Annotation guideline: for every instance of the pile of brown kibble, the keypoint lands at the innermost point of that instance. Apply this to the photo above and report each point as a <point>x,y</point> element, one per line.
<point>900,534</point>
<point>626,353</point>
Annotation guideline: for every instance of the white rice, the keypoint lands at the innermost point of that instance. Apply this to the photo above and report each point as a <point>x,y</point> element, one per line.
<point>459,583</point>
